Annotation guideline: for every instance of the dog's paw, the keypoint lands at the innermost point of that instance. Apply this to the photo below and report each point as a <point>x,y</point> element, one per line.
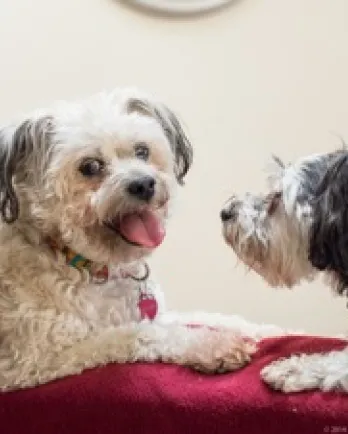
<point>294,374</point>
<point>221,351</point>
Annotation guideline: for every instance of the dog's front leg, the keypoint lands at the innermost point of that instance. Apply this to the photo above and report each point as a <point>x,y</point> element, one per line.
<point>309,371</point>
<point>234,323</point>
<point>204,349</point>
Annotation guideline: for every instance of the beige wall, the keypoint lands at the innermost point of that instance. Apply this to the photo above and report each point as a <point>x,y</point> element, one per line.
<point>263,76</point>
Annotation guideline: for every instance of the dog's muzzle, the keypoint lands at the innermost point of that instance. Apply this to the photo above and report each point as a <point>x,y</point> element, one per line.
<point>230,211</point>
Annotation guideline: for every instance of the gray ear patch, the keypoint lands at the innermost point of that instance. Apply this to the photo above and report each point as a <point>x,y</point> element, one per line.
<point>27,142</point>
<point>328,248</point>
<point>180,144</point>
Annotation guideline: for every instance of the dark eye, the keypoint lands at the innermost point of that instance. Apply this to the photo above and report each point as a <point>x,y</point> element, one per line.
<point>91,167</point>
<point>272,201</point>
<point>142,151</point>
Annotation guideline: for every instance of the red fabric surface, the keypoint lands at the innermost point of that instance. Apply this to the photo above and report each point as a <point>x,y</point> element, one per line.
<point>163,399</point>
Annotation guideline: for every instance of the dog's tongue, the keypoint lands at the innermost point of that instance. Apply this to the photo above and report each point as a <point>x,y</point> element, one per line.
<point>144,229</point>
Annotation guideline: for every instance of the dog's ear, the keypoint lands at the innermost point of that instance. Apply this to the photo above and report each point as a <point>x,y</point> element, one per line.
<point>275,171</point>
<point>180,144</point>
<point>22,150</point>
<point>328,241</point>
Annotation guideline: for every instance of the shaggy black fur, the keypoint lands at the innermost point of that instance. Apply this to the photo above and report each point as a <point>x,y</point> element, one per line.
<point>328,248</point>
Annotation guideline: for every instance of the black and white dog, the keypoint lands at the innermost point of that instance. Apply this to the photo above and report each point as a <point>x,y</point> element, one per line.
<point>298,229</point>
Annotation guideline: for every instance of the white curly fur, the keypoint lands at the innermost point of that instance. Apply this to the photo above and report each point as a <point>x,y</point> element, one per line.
<point>301,372</point>
<point>54,321</point>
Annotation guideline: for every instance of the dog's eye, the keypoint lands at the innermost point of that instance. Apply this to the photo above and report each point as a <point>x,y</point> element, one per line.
<point>142,151</point>
<point>91,167</point>
<point>272,201</point>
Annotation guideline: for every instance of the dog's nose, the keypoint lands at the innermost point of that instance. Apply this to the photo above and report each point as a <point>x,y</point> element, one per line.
<point>230,212</point>
<point>142,188</point>
<point>225,215</point>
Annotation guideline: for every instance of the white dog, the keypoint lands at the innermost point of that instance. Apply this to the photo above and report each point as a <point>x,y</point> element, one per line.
<point>290,234</point>
<point>84,194</point>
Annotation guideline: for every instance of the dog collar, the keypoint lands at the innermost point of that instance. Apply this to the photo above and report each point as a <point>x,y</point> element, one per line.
<point>99,272</point>
<point>147,303</point>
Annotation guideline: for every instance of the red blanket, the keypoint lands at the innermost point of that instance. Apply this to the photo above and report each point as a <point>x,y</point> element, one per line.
<point>160,399</point>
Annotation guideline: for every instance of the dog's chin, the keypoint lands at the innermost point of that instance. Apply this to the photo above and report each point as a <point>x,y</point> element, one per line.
<point>231,237</point>
<point>250,262</point>
<point>228,239</point>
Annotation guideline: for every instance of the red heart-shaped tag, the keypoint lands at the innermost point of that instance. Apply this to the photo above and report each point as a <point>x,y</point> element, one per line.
<point>148,307</point>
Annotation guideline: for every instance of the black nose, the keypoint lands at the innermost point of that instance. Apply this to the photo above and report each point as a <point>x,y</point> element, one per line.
<point>142,188</point>
<point>225,215</point>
